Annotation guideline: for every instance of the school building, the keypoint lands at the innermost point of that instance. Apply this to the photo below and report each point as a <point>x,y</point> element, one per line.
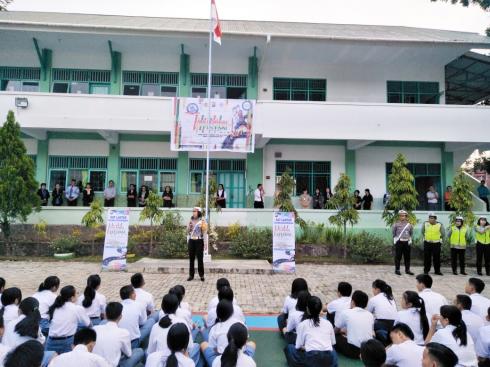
<point>94,96</point>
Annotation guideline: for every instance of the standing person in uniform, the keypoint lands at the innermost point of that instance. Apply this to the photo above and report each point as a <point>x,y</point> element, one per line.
<point>459,237</point>
<point>402,238</point>
<point>43,194</point>
<point>131,196</point>
<point>432,199</point>
<point>367,200</point>
<point>259,197</point>
<point>318,200</point>
<point>72,193</point>
<point>110,194</point>
<point>221,197</point>
<point>196,230</point>
<point>433,232</point>
<point>167,197</point>
<point>482,237</point>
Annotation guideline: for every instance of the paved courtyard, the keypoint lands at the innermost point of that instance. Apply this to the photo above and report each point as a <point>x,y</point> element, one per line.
<point>255,293</point>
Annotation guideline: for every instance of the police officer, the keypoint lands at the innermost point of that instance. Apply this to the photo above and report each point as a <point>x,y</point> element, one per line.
<point>433,233</point>
<point>482,237</point>
<point>459,236</point>
<point>196,229</point>
<point>402,238</point>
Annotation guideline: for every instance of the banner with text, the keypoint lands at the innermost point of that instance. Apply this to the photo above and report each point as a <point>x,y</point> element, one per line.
<point>116,240</point>
<point>283,242</point>
<point>230,127</point>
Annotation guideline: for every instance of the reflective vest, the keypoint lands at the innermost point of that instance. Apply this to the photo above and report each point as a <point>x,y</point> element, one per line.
<point>432,232</point>
<point>458,237</point>
<point>483,238</point>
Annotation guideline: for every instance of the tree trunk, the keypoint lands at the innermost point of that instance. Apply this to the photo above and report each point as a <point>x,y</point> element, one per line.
<point>150,250</point>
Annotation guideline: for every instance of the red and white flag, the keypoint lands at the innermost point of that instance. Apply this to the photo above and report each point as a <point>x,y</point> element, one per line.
<point>216,23</point>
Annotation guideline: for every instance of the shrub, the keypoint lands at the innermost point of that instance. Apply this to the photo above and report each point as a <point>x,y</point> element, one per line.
<point>254,243</point>
<point>364,247</point>
<point>233,231</point>
<point>171,237</point>
<point>65,244</point>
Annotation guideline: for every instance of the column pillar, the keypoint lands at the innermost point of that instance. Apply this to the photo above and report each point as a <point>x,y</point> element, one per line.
<point>113,164</point>
<point>116,73</point>
<point>255,168</point>
<point>253,76</point>
<point>447,169</point>
<point>42,161</point>
<point>183,157</point>
<point>46,71</point>
<point>350,166</point>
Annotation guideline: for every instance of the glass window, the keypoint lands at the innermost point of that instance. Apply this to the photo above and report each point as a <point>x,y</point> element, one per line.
<point>79,88</point>
<point>30,87</point>
<point>198,92</point>
<point>57,177</point>
<point>196,182</point>
<point>218,92</point>
<point>299,89</point>
<point>13,86</point>
<point>394,98</point>
<point>60,87</point>
<point>97,180</point>
<point>128,178</point>
<point>150,90</point>
<point>148,178</point>
<point>236,93</point>
<point>99,89</point>
<point>169,91</point>
<point>167,179</point>
<point>131,90</point>
<point>79,175</point>
<point>413,92</point>
<point>281,95</point>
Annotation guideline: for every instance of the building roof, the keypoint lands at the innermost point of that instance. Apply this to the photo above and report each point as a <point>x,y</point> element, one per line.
<point>57,21</point>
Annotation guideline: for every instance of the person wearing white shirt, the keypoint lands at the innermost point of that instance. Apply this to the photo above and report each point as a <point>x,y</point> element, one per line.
<point>383,308</point>
<point>295,317</point>
<point>184,310</point>
<point>29,354</point>
<point>433,300</point>
<point>404,352</point>
<point>92,301</point>
<point>4,350</point>
<point>480,303</point>
<point>414,315</point>
<point>113,343</point>
<point>81,355</point>
<point>453,335</point>
<point>142,296</point>
<point>259,197</point>
<point>46,294</point>
<point>354,326</point>
<point>134,318</point>
<point>334,308</point>
<point>315,339</point>
<point>65,318</point>
<point>233,353</point>
<point>220,283</point>
<point>221,197</point>
<point>25,326</point>
<point>298,285</point>
<point>438,355</point>
<point>177,340</point>
<point>483,343</point>
<point>11,298</point>
<point>473,321</point>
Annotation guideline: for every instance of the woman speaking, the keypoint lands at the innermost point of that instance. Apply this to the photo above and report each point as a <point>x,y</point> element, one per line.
<point>196,230</point>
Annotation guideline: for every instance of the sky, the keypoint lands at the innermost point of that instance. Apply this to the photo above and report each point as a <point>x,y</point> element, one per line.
<point>415,13</point>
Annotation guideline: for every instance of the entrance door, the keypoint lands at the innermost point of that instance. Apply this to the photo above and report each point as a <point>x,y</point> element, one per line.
<point>422,184</point>
<point>234,183</point>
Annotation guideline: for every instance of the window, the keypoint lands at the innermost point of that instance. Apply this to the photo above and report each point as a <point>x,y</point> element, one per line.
<point>167,179</point>
<point>16,79</point>
<point>131,90</point>
<point>128,178</point>
<point>196,182</point>
<point>85,169</point>
<point>217,168</point>
<point>413,92</point>
<point>147,83</point>
<point>307,175</point>
<point>77,81</point>
<point>290,89</point>
<point>97,180</point>
<point>156,173</point>
<point>233,86</point>
<point>57,177</point>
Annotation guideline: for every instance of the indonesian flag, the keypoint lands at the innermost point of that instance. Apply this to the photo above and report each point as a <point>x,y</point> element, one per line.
<point>216,24</point>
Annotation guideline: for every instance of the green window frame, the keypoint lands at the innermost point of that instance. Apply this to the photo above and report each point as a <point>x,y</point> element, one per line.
<point>86,169</point>
<point>81,81</point>
<point>134,169</point>
<point>306,174</point>
<point>412,92</point>
<point>232,86</point>
<point>19,79</point>
<point>150,83</point>
<point>197,168</point>
<point>299,89</point>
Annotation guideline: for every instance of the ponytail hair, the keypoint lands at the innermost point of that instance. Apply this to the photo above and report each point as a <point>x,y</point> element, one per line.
<point>49,283</point>
<point>314,308</point>
<point>237,338</point>
<point>93,282</point>
<point>177,340</point>
<point>29,326</point>
<point>455,317</point>
<point>66,293</point>
<point>170,304</point>
<point>417,302</point>
<point>384,288</point>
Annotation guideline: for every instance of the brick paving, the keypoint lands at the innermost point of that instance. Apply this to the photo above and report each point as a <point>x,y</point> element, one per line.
<point>255,293</point>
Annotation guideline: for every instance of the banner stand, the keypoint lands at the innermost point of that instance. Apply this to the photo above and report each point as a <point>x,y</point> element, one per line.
<point>116,240</point>
<point>283,242</point>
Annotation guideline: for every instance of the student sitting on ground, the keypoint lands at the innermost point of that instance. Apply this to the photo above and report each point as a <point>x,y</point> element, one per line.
<point>30,353</point>
<point>177,341</point>
<point>46,295</point>
<point>413,314</point>
<point>113,343</point>
<point>404,352</point>
<point>383,307</point>
<point>143,297</point>
<point>483,343</point>
<point>233,355</point>
<point>472,320</point>
<point>354,326</point>
<point>315,339</point>
<point>296,316</point>
<point>183,312</point>
<point>298,285</point>
<point>438,355</point>
<point>220,283</point>
<point>81,355</point>
<point>344,291</point>
<point>10,299</point>
<point>480,303</point>
<point>373,353</point>
<point>3,348</point>
<point>92,301</point>
<point>433,301</point>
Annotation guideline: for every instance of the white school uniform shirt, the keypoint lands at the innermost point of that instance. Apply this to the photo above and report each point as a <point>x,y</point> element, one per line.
<point>359,324</point>
<point>214,303</point>
<point>483,343</point>
<point>145,298</point>
<point>158,336</point>
<point>97,307</point>
<point>159,359</point>
<point>66,319</point>
<point>466,354</point>
<point>480,305</point>
<point>315,338</point>
<point>112,342</point>
<point>257,195</point>
<point>186,306</point>
<point>433,302</point>
<point>338,305</point>
<point>294,319</point>
<point>10,313</point>
<point>46,299</point>
<point>4,350</point>
<point>473,323</point>
<point>79,356</point>
<point>182,314</point>
<point>218,339</point>
<point>289,304</point>
<point>411,317</point>
<point>406,354</point>
<point>382,308</point>
<point>133,316</point>
<point>12,339</point>
<point>242,361</point>
<point>237,314</point>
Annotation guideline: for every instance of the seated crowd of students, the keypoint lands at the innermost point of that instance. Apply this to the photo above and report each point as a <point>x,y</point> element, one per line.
<point>428,331</point>
<point>56,328</point>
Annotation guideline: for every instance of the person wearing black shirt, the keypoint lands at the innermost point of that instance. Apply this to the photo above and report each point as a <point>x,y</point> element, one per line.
<point>43,194</point>
<point>167,196</point>
<point>57,196</point>
<point>131,196</point>
<point>367,200</point>
<point>87,195</point>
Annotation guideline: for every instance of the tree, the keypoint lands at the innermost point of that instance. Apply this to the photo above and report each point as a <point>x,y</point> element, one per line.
<point>283,201</point>
<point>153,212</point>
<point>403,195</point>
<point>461,199</point>
<point>18,186</point>
<point>3,4</point>
<point>484,4</point>
<point>94,218</point>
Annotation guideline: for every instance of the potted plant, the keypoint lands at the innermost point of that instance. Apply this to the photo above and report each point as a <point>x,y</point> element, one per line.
<point>64,247</point>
